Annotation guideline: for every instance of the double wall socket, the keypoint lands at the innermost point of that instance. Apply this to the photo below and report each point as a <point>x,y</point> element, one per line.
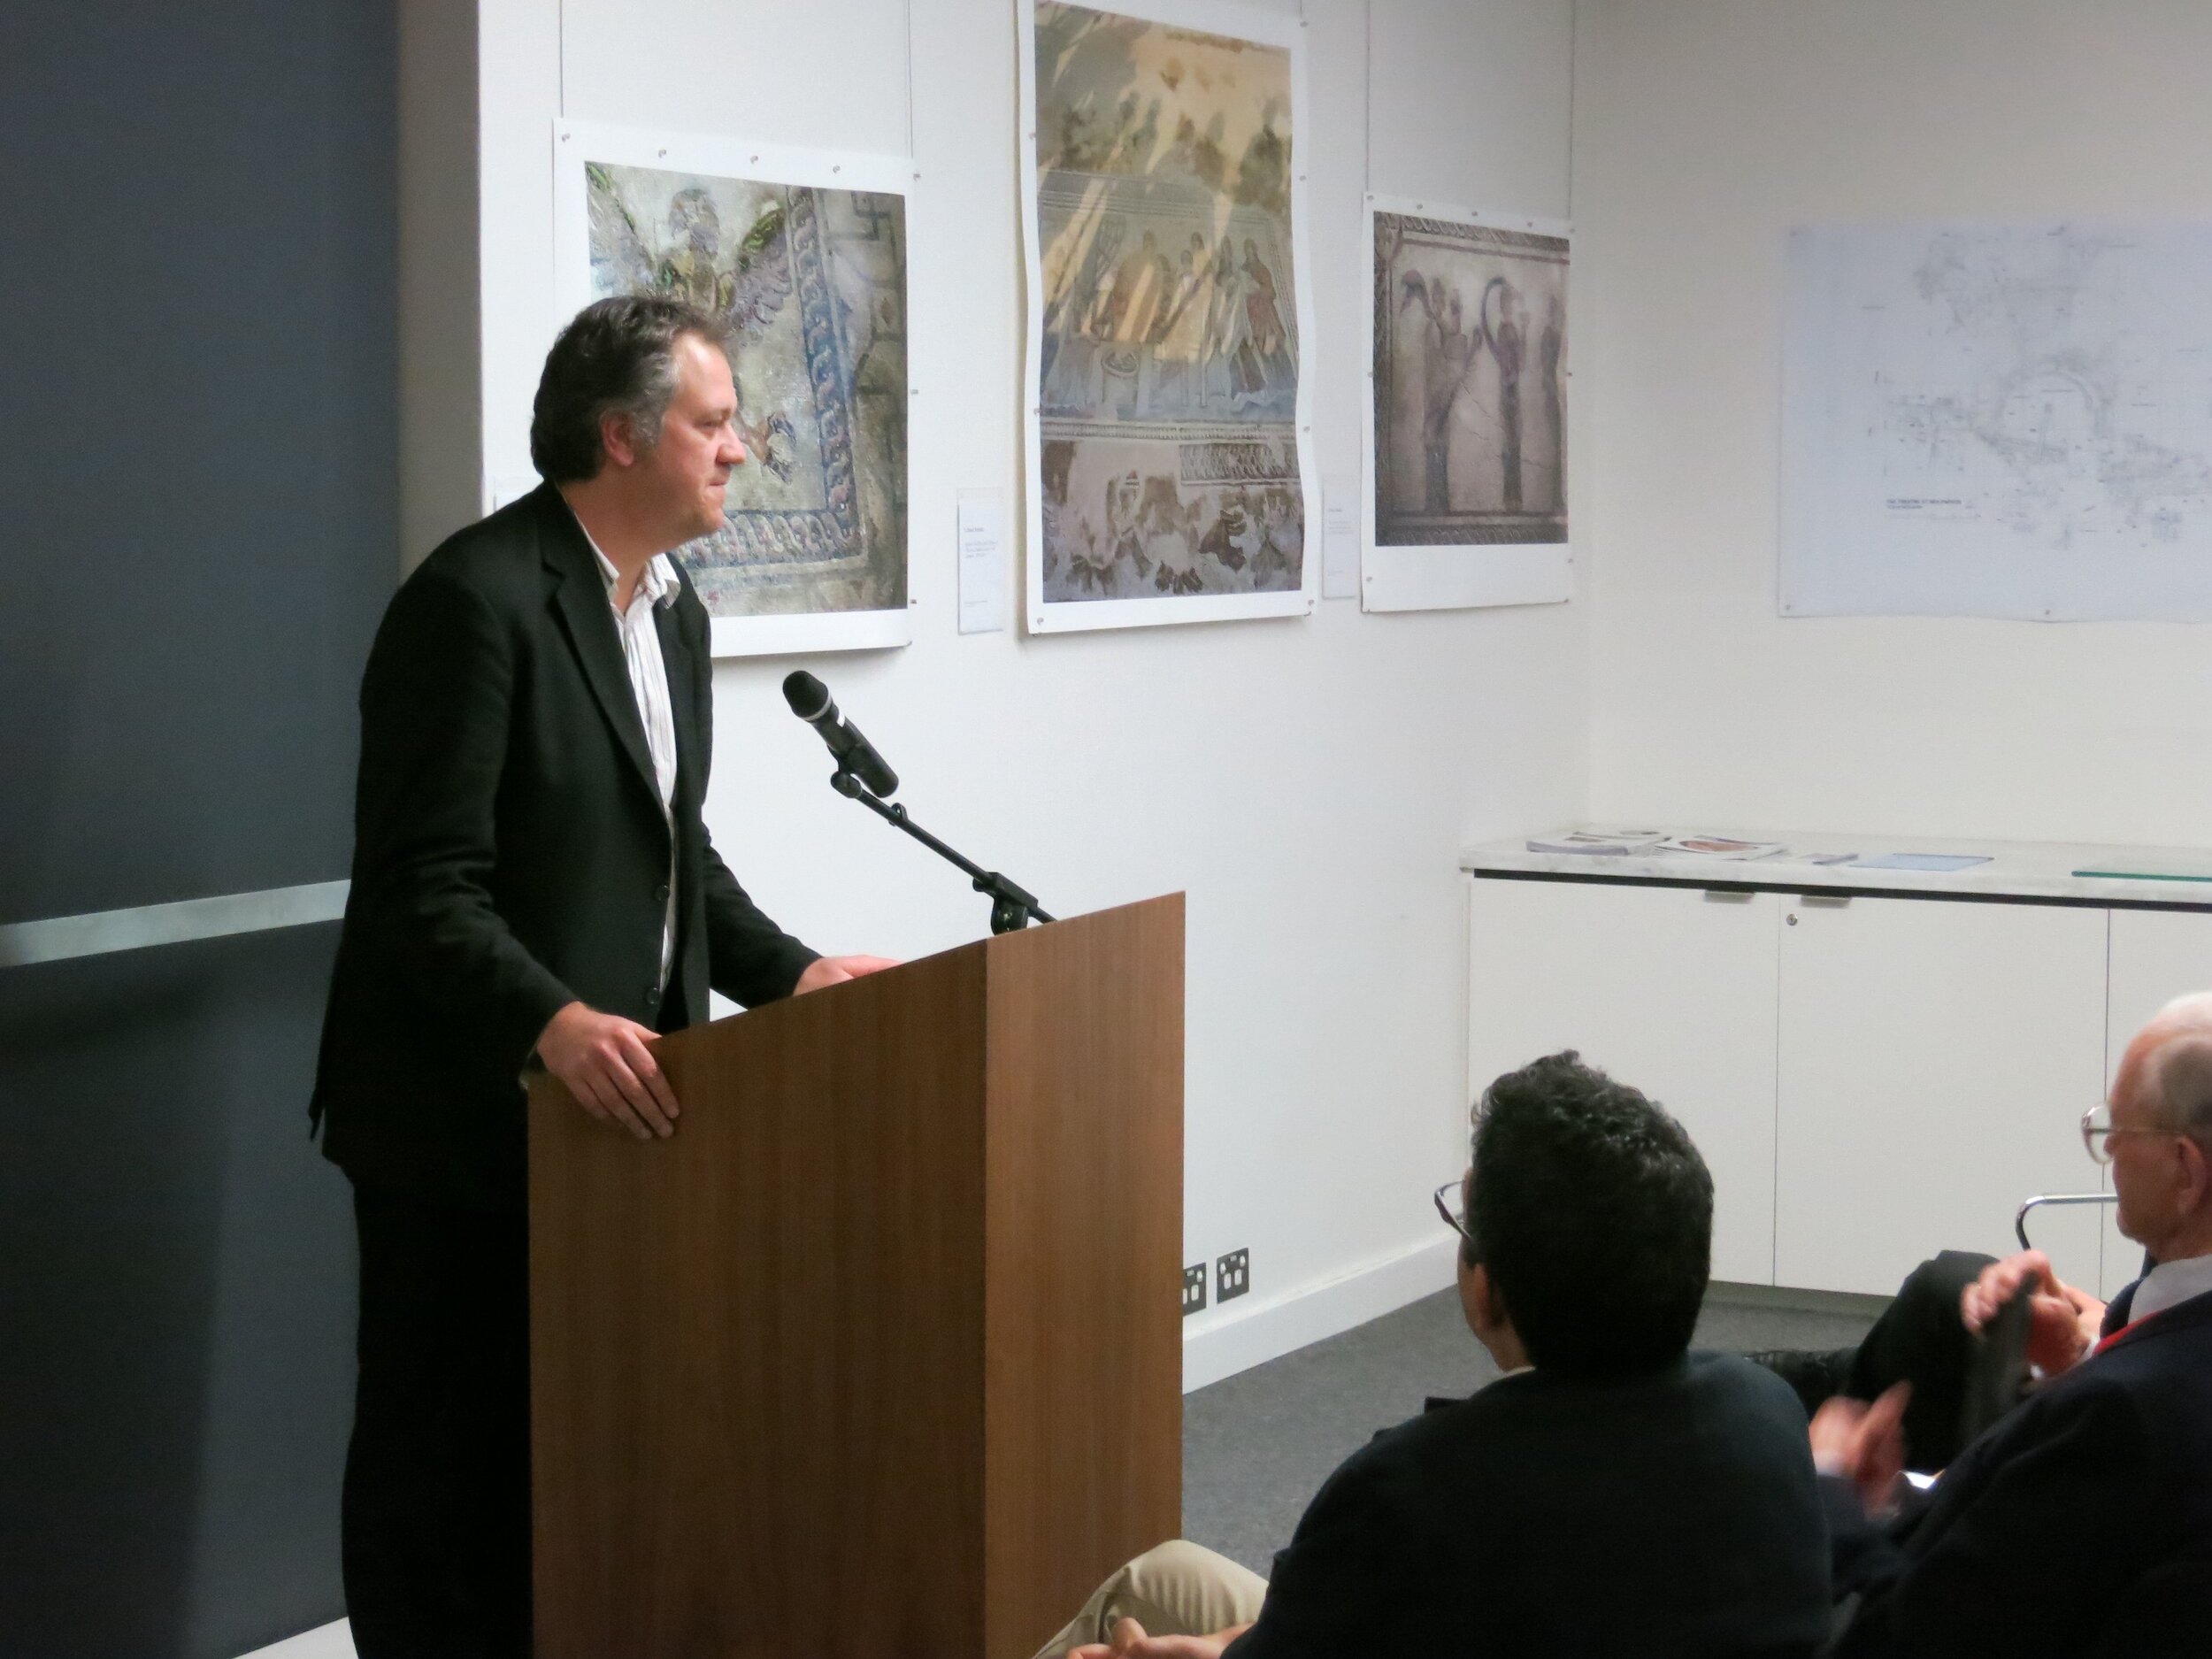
<point>1194,1289</point>
<point>1233,1275</point>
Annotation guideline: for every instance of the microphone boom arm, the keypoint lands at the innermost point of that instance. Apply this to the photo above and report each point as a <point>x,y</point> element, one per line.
<point>1011,907</point>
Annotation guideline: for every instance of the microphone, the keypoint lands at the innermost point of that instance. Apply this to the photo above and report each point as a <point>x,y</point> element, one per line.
<point>809,700</point>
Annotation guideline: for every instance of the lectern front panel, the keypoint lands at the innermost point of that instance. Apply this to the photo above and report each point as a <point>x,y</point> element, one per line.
<point>878,1356</point>
<point>757,1346</point>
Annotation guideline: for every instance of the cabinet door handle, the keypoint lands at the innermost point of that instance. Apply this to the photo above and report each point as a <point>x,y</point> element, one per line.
<point>1823,901</point>
<point>1728,895</point>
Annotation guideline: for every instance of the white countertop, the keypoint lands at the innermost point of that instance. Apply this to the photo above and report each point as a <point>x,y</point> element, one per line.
<point>2027,870</point>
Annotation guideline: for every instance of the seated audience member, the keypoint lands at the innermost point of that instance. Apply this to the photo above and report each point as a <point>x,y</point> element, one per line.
<point>1610,1494</point>
<point>2081,1522</point>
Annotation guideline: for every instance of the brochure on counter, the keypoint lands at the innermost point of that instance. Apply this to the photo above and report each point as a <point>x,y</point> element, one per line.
<point>1622,843</point>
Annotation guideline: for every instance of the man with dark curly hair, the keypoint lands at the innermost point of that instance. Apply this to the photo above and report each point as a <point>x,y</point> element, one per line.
<point>1610,1494</point>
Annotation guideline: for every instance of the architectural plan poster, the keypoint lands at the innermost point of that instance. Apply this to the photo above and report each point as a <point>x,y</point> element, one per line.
<point>1164,219</point>
<point>806,254</point>
<point>1466,476</point>
<point>1998,421</point>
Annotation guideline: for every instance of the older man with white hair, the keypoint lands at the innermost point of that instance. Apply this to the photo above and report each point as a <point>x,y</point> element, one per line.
<point>2082,1522</point>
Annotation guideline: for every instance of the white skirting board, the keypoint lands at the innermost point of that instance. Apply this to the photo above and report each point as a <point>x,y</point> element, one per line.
<point>1255,1332</point>
<point>325,1641</point>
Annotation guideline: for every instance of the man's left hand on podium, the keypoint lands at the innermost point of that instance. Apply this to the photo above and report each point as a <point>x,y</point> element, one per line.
<point>836,970</point>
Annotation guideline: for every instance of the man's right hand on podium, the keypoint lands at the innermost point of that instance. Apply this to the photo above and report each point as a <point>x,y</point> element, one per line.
<point>607,1061</point>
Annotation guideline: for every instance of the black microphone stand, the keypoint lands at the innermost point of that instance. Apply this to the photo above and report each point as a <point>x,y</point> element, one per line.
<point>1011,909</point>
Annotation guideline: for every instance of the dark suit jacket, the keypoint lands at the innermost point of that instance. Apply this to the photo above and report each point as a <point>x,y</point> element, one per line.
<point>510,854</point>
<point>1675,1514</point>
<point>2087,1509</point>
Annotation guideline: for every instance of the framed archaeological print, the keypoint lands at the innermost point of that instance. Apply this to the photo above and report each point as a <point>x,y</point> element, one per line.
<point>1466,452</point>
<point>1168,420</point>
<point>804,252</point>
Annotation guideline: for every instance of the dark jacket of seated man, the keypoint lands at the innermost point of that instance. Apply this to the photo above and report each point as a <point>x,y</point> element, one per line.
<point>2049,1525</point>
<point>2037,1539</point>
<point>1673,1512</point>
<point>1611,1494</point>
<point>2081,1522</point>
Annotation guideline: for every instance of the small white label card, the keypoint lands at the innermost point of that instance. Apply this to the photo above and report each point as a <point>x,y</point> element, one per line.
<point>1341,503</point>
<point>982,561</point>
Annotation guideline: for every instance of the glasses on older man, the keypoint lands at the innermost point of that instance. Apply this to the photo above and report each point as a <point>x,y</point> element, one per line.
<point>1451,1203</point>
<point>2097,1131</point>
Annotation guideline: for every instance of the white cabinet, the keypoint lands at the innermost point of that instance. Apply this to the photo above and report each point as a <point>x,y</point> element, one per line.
<point>1933,1065</point>
<point>1878,1063</point>
<point>1667,989</point>
<point>2156,956</point>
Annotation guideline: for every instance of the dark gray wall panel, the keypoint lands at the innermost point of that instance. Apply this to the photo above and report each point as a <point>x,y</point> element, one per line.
<point>197,460</point>
<point>176,1289</point>
<point>197,534</point>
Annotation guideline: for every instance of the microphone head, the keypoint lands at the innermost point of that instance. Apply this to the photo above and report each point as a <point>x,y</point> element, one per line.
<point>808,696</point>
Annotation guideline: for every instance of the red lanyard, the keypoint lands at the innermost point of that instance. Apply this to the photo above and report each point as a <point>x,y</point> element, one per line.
<point>2132,1325</point>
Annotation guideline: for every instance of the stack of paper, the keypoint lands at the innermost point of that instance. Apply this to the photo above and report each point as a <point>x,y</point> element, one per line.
<point>1599,842</point>
<point>1718,846</point>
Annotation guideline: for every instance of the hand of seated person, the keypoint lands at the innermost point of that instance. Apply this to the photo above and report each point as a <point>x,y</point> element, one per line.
<point>2062,1322</point>
<point>1863,1444</point>
<point>1130,1642</point>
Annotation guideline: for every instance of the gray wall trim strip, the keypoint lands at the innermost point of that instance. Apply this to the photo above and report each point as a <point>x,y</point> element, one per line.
<point>60,938</point>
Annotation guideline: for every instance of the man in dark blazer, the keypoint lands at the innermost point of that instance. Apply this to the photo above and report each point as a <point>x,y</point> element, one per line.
<point>2081,1523</point>
<point>1610,1494</point>
<point>532,881</point>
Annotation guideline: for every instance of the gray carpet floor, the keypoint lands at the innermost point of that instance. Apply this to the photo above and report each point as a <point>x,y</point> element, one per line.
<point>1258,1445</point>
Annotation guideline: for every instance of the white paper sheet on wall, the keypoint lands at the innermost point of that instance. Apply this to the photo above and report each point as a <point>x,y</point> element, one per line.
<point>1998,420</point>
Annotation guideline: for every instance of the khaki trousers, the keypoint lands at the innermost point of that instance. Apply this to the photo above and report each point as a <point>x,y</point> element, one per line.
<point>1180,1589</point>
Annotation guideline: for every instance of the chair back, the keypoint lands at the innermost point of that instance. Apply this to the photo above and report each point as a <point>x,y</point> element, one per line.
<point>2020,1216</point>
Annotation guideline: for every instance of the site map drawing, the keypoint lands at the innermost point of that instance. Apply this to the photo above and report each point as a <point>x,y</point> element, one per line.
<point>2008,421</point>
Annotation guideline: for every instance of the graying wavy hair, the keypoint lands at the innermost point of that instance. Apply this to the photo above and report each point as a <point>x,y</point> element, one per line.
<point>615,356</point>
<point>2182,1084</point>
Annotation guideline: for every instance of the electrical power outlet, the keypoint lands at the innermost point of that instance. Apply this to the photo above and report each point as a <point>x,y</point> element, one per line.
<point>1195,1289</point>
<point>1233,1275</point>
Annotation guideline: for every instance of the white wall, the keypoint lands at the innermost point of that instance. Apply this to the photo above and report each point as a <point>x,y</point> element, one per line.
<point>1308,782</point>
<point>1704,129</point>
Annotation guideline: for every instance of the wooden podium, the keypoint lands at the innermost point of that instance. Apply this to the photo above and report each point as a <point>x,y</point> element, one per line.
<point>878,1356</point>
